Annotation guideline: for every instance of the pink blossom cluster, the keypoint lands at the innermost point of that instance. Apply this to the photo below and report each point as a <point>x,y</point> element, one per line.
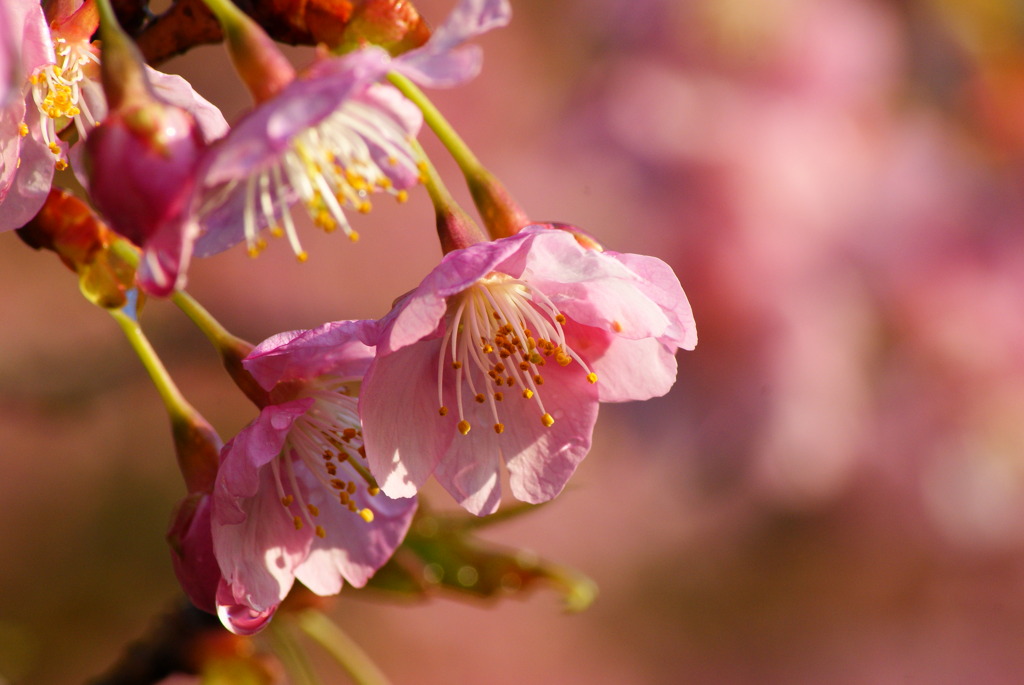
<point>501,355</point>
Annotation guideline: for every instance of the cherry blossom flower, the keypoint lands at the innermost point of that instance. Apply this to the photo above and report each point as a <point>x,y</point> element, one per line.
<point>293,497</point>
<point>502,354</point>
<point>331,138</point>
<point>57,80</point>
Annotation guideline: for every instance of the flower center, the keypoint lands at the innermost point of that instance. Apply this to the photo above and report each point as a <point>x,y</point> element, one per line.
<point>328,442</point>
<point>56,90</point>
<point>500,334</point>
<point>335,165</point>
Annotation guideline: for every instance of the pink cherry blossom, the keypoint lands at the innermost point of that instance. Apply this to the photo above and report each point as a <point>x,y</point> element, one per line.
<point>55,84</point>
<point>331,138</point>
<point>502,354</point>
<point>293,497</point>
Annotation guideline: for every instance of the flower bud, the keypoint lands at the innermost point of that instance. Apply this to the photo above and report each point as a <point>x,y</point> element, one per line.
<point>141,164</point>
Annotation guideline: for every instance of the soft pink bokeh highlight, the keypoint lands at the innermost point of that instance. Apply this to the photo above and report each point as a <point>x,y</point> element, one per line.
<point>833,492</point>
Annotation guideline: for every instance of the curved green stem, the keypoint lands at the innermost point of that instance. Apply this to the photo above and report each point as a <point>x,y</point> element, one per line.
<point>500,212</point>
<point>204,321</point>
<point>345,651</point>
<point>463,156</point>
<point>177,406</point>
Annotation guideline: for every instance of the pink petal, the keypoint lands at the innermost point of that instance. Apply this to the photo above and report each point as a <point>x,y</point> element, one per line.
<point>337,348</point>
<point>440,62</point>
<point>419,313</point>
<point>255,540</point>
<point>402,432</point>
<point>626,369</point>
<point>25,186</point>
<point>540,471</point>
<point>239,618</point>
<point>352,548</point>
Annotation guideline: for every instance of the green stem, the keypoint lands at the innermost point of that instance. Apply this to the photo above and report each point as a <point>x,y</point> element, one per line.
<point>340,646</point>
<point>177,406</point>
<point>500,212</point>
<point>209,326</point>
<point>292,655</point>
<point>463,156</point>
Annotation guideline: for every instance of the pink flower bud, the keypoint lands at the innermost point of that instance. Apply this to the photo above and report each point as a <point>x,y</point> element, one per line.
<point>141,164</point>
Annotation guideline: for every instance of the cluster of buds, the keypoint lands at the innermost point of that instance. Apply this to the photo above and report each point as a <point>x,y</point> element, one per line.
<point>498,360</point>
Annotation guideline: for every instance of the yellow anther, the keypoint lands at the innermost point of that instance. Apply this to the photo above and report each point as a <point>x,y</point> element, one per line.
<point>443,411</point>
<point>373,490</point>
<point>364,207</point>
<point>253,251</point>
<point>302,256</point>
<point>276,231</point>
<point>616,326</point>
<point>464,427</point>
<point>592,377</point>
<point>60,165</point>
<point>366,515</point>
<point>560,318</point>
<point>54,148</point>
<point>456,365</point>
<point>498,397</point>
<point>563,359</point>
<point>538,379</point>
<point>402,196</point>
<point>287,500</point>
<point>353,236</point>
<point>479,398</point>
<point>527,394</point>
<point>298,523</point>
<point>23,129</point>
<point>547,420</point>
<point>320,532</point>
<point>313,509</point>
<point>499,428</point>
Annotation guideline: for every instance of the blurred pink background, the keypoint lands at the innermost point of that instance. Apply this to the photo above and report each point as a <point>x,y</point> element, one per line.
<point>833,492</point>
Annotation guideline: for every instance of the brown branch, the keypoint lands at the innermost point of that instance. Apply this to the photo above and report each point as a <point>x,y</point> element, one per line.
<point>394,24</point>
<point>169,648</point>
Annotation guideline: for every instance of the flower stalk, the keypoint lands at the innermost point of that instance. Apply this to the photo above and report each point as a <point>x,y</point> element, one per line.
<point>339,645</point>
<point>499,210</point>
<point>195,441</point>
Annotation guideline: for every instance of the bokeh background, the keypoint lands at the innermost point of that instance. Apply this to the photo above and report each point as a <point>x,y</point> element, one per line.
<point>833,492</point>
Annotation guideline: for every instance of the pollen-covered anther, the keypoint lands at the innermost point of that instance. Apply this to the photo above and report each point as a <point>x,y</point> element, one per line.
<point>499,428</point>
<point>297,522</point>
<point>443,411</point>
<point>287,500</point>
<point>547,420</point>
<point>313,510</point>
<point>366,514</point>
<point>320,532</point>
<point>479,398</point>
<point>464,427</point>
<point>592,377</point>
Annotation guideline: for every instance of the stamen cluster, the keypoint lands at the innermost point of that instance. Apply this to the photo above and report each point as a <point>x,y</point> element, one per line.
<point>330,167</point>
<point>56,91</point>
<point>327,441</point>
<point>502,328</point>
